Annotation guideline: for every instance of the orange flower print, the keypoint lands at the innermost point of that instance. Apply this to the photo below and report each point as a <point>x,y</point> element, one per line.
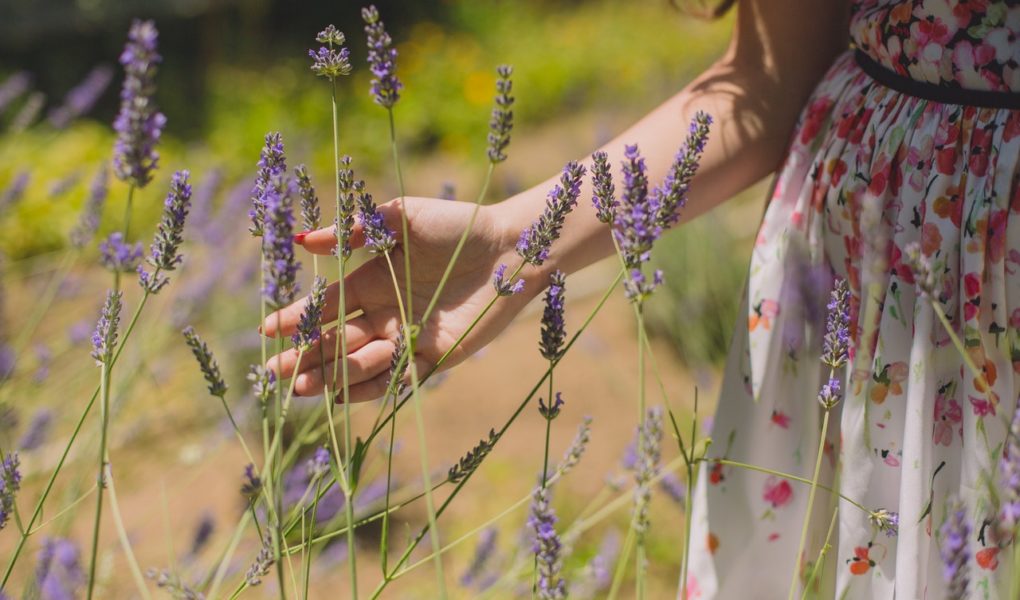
<point>990,376</point>
<point>712,542</point>
<point>863,559</point>
<point>931,239</point>
<point>764,312</point>
<point>950,205</point>
<point>889,379</point>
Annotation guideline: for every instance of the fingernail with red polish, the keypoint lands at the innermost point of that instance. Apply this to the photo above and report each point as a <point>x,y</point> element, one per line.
<point>299,238</point>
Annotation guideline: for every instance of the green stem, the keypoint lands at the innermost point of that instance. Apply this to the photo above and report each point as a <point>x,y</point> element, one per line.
<point>621,565</point>
<point>810,504</point>
<point>821,555</point>
<point>311,534</point>
<point>104,407</point>
<point>791,477</point>
<point>403,218</point>
<point>125,543</point>
<point>639,558</point>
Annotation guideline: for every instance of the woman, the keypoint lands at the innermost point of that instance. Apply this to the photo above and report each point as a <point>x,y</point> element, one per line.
<point>909,137</point>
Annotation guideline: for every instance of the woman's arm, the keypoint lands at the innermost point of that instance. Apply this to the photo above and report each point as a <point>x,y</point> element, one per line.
<point>779,51</point>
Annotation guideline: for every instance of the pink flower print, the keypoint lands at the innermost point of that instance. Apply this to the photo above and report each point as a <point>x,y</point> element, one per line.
<point>980,146</point>
<point>947,415</point>
<point>971,285</point>
<point>982,407</point>
<point>1014,318</point>
<point>778,492</point>
<point>917,161</point>
<point>996,236</point>
<point>931,239</point>
<point>969,60</point>
<point>815,118</point>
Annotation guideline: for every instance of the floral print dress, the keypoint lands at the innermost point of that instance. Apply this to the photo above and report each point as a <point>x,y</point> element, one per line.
<point>870,172</point>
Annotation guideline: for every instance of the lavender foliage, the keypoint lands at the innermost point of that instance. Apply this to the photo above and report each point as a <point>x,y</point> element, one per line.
<point>505,287</point>
<point>92,210</point>
<point>104,339</point>
<point>536,240</point>
<point>672,194</point>
<point>502,121</point>
<point>164,252</point>
<point>272,164</point>
<point>279,266</point>
<point>139,124</point>
<point>382,60</point>
<point>10,483</point>
<point>309,327</point>
<point>118,256</point>
<point>311,216</point>
<point>378,238</point>
<point>603,191</point>
<point>206,362</point>
<point>82,97</point>
<point>554,332</point>
<point>955,550</point>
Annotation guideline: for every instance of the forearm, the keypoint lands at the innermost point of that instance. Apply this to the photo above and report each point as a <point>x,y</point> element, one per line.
<point>753,93</point>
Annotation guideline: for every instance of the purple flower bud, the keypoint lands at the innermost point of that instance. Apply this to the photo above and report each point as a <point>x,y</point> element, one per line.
<point>163,253</point>
<point>505,288</point>
<point>344,221</point>
<point>264,560</point>
<point>502,120</point>
<point>310,324</point>
<point>92,210</point>
<point>378,238</point>
<point>311,217</point>
<point>104,339</point>
<point>829,395</point>
<point>672,194</point>
<point>637,288</point>
<point>552,410</point>
<point>82,97</point>
<point>272,164</point>
<point>318,464</point>
<point>886,521</point>
<point>535,241</point>
<point>634,225</point>
<point>554,331</point>
<point>118,256</point>
<point>206,362</point>
<point>139,124</point>
<point>604,192</point>
<point>279,266</point>
<point>382,60</point>
<point>837,327</point>
<point>329,61</point>
<point>252,485</point>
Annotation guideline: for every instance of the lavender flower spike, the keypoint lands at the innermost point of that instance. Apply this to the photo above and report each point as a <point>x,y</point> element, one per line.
<point>163,253</point>
<point>104,339</point>
<point>635,227</point>
<point>554,331</point>
<point>503,286</point>
<point>206,362</point>
<point>332,60</point>
<point>535,241</point>
<point>58,572</point>
<point>344,221</point>
<point>1009,473</point>
<point>138,124</point>
<point>650,437</point>
<point>10,483</point>
<point>309,327</point>
<point>672,193</point>
<point>483,554</point>
<point>318,464</point>
<point>311,216</point>
<point>82,97</point>
<point>547,546</point>
<point>575,451</point>
<point>378,238</point>
<point>604,192</point>
<point>382,60</point>
<point>279,267</point>
<point>502,120</point>
<point>118,256</point>
<point>92,211</point>
<point>837,326</point>
<point>955,552</point>
<point>272,163</point>
<point>260,566</point>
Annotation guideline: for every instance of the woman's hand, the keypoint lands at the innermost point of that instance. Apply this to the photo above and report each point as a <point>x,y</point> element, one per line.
<point>434,227</point>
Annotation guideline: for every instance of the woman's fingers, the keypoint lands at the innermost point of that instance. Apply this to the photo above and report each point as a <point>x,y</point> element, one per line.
<point>363,364</point>
<point>359,332</point>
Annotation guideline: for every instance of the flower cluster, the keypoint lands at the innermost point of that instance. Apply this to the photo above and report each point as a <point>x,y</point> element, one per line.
<point>252,485</point>
<point>470,461</point>
<point>886,521</point>
<point>551,410</point>
<point>206,361</point>
<point>272,164</point>
<point>104,339</point>
<point>92,210</point>
<point>310,323</point>
<point>398,364</point>
<point>955,550</point>
<point>163,253</point>
<point>263,382</point>
<point>332,60</point>
<point>378,238</point>
<point>647,466</point>
<point>118,256</point>
<point>139,124</point>
<point>311,217</point>
<point>10,483</point>
<point>554,331</point>
<point>318,464</point>
<point>502,120</point>
<point>535,241</point>
<point>505,287</point>
<point>82,97</point>
<point>672,194</point>
<point>344,222</point>
<point>279,266</point>
<point>547,546</point>
<point>829,394</point>
<point>837,326</point>
<point>603,191</point>
<point>382,60</point>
